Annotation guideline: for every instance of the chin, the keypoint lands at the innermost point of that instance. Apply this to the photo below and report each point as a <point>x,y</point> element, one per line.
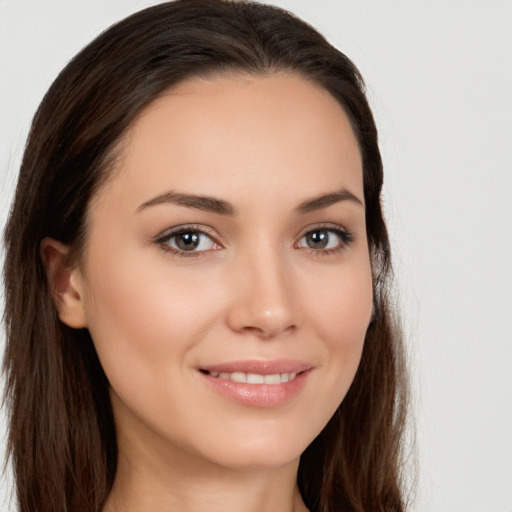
<point>259,451</point>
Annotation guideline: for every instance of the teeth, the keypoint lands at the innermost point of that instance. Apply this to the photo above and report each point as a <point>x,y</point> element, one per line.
<point>255,378</point>
<point>238,377</point>
<point>272,379</point>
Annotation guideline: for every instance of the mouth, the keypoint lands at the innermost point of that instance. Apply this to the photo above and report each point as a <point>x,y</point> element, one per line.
<point>253,378</point>
<point>257,383</point>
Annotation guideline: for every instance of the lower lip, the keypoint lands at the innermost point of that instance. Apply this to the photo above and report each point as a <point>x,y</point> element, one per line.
<point>258,395</point>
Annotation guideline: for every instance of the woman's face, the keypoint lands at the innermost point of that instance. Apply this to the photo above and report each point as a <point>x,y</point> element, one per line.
<point>226,281</point>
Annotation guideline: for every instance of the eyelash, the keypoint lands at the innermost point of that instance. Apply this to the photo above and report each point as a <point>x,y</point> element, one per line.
<point>345,240</point>
<point>163,241</point>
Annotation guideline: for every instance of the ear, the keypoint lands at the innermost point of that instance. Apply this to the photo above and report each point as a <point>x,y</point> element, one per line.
<point>65,283</point>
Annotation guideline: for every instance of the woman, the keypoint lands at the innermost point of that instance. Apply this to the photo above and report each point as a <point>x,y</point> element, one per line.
<point>197,305</point>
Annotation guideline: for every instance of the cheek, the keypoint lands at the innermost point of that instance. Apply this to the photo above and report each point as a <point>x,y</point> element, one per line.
<point>140,315</point>
<point>342,307</point>
<point>341,315</point>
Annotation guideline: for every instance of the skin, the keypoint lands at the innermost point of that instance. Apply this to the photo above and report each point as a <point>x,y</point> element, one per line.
<point>255,288</point>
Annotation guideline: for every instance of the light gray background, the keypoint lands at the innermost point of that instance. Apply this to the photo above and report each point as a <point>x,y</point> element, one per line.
<point>439,75</point>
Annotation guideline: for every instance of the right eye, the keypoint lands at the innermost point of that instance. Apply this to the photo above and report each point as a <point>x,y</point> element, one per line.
<point>187,242</point>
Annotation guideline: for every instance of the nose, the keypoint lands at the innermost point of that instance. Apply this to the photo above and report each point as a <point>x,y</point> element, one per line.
<point>263,301</point>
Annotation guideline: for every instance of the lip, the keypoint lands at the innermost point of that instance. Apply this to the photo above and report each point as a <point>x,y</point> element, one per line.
<point>258,395</point>
<point>260,366</point>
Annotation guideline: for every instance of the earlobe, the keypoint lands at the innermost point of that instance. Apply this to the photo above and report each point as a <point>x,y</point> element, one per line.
<point>65,283</point>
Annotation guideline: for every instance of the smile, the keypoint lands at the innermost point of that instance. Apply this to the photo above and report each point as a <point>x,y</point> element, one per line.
<point>256,383</point>
<point>254,378</point>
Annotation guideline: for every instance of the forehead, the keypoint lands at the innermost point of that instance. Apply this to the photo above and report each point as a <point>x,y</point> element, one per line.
<point>237,133</point>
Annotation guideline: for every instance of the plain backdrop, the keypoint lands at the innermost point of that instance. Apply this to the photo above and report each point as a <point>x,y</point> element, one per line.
<point>439,76</point>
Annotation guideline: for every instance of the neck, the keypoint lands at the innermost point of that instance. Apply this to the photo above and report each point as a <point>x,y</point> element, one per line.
<point>159,477</point>
<point>209,489</point>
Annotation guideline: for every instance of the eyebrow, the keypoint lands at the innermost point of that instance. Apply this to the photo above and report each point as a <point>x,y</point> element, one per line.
<point>222,207</point>
<point>209,204</point>
<point>325,200</point>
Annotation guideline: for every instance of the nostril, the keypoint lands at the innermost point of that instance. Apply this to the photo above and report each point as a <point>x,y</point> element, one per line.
<point>263,315</point>
<point>268,331</point>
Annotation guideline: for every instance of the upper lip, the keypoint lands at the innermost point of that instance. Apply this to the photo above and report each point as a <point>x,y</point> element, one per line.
<point>260,367</point>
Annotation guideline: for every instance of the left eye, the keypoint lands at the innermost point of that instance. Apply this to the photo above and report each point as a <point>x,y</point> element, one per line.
<point>322,239</point>
<point>190,241</point>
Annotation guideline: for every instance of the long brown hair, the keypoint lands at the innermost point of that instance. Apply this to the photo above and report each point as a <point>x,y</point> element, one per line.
<point>62,440</point>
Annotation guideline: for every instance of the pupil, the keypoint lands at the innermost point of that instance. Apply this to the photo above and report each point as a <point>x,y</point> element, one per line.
<point>318,239</point>
<point>187,241</point>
